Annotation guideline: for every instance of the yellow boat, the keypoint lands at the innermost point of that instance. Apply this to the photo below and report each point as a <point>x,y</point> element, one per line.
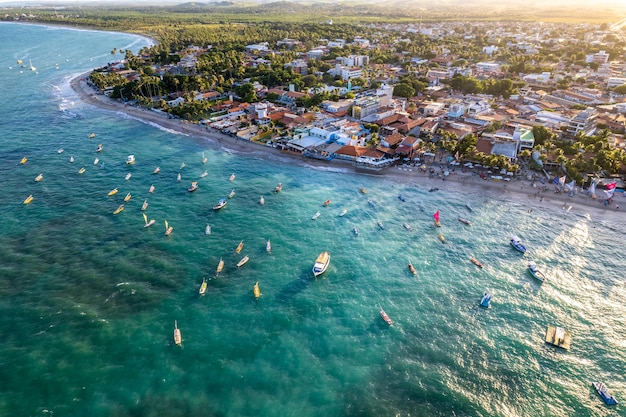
<point>443,239</point>
<point>24,160</point>
<point>243,261</point>
<point>239,247</point>
<point>119,209</point>
<point>92,135</point>
<point>113,192</point>
<point>168,229</point>
<point>321,263</point>
<point>203,287</point>
<point>178,338</point>
<point>127,198</point>
<point>220,267</point>
<point>256,290</point>
<point>28,199</point>
<point>39,178</point>
<point>82,170</point>
<point>412,269</point>
<point>363,190</point>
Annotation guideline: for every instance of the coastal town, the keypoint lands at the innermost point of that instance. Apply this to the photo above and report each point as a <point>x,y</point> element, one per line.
<point>550,102</point>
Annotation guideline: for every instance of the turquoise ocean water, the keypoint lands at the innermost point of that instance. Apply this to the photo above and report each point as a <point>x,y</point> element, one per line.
<point>88,299</point>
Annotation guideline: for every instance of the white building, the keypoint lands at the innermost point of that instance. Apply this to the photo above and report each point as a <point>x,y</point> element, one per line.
<point>488,66</point>
<point>615,82</point>
<point>490,50</point>
<point>600,57</point>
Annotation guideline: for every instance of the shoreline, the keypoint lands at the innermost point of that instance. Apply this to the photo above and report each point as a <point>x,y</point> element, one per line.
<point>517,190</point>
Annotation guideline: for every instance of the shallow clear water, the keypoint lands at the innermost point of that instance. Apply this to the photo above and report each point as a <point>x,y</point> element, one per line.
<point>88,299</point>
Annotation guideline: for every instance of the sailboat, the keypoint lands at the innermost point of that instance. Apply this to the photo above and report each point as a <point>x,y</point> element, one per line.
<point>256,290</point>
<point>32,67</point>
<point>180,177</point>
<point>207,229</point>
<point>156,170</point>
<point>38,177</point>
<point>144,205</point>
<point>178,338</point>
<point>168,229</point>
<point>220,267</point>
<point>128,197</point>
<point>151,189</point>
<point>204,158</point>
<point>203,286</point>
<point>182,165</point>
<point>436,217</point>
<point>268,246</point>
<point>147,223</point>
<point>239,247</point>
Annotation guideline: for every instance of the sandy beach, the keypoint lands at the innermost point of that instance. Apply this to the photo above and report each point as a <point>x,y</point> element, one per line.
<point>520,191</point>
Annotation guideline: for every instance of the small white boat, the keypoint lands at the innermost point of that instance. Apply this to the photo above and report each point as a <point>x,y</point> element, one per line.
<point>204,174</point>
<point>95,161</point>
<point>130,159</point>
<point>321,263</point>
<point>179,178</point>
<point>220,204</point>
<point>38,177</point>
<point>535,272</point>
<point>182,165</point>
<point>485,301</point>
<point>194,187</point>
<point>465,221</point>
<point>203,287</point>
<point>232,177</point>
<point>231,194</point>
<point>178,338</point>
<point>516,242</point>
<point>156,170</point>
<point>127,177</point>
<point>469,207</point>
<point>262,201</point>
<point>60,150</point>
<point>168,229</point>
<point>278,188</point>
<point>316,215</point>
<point>407,226</point>
<point>243,261</point>
<point>355,231</point>
<point>147,223</point>
<point>380,224</point>
<point>144,205</point>
<point>385,317</point>
<point>268,246</point>
<point>71,159</point>
<point>82,170</point>
<point>207,229</point>
<point>99,148</point>
<point>151,189</point>
<point>343,212</point>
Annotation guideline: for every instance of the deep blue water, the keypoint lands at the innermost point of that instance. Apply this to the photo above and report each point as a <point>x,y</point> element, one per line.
<point>88,299</point>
